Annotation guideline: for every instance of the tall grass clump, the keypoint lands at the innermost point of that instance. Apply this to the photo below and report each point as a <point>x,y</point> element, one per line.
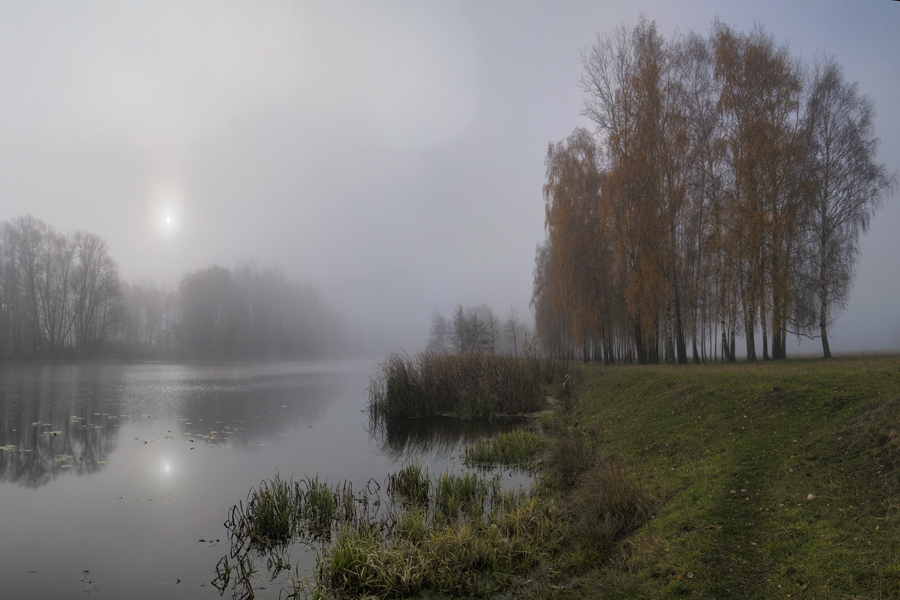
<point>319,506</point>
<point>464,494</point>
<point>471,385</point>
<point>607,503</point>
<point>572,453</point>
<point>410,485</point>
<point>512,448</point>
<point>272,513</point>
<point>469,538</point>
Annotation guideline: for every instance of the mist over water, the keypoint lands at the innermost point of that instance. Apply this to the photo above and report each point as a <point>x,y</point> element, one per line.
<point>111,473</point>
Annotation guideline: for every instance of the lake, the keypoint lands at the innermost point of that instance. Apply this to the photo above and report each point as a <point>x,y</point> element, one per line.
<point>116,477</point>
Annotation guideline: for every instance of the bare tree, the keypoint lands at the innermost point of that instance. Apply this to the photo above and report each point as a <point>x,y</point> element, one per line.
<point>512,329</point>
<point>493,332</point>
<point>459,333</point>
<point>847,188</point>
<point>438,339</point>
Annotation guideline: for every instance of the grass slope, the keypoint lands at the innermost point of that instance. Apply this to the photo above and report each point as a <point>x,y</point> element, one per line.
<point>769,480</point>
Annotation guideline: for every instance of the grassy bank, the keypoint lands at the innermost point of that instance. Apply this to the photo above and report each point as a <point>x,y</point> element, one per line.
<point>769,480</point>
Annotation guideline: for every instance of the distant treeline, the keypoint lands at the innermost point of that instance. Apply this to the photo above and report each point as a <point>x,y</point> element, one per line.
<point>244,312</point>
<point>57,292</point>
<point>61,295</point>
<point>722,193</point>
<point>477,329</point>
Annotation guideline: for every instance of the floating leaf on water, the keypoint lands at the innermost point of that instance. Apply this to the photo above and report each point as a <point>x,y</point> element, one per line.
<point>65,466</point>
<point>63,457</point>
<point>101,462</point>
<point>9,447</point>
<point>36,423</point>
<point>145,415</point>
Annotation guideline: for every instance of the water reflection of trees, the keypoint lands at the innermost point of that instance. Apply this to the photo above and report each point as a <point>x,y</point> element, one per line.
<point>65,418</point>
<point>412,439</point>
<point>34,453</point>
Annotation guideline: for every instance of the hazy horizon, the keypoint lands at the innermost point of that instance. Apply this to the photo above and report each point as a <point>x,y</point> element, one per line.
<point>391,155</point>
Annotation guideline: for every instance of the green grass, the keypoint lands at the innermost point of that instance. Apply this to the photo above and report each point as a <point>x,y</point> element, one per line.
<point>512,448</point>
<point>410,484</point>
<point>765,479</point>
<point>272,511</point>
<point>463,494</point>
<point>515,535</point>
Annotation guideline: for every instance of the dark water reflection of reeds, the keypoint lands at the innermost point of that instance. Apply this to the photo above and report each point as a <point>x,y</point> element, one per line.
<point>441,437</point>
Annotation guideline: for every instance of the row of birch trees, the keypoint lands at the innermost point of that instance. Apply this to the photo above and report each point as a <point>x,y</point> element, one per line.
<point>721,194</point>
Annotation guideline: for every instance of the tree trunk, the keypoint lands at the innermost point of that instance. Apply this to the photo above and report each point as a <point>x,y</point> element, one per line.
<point>823,322</point>
<point>639,343</point>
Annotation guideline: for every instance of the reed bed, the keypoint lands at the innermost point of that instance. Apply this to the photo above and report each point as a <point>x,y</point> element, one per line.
<point>466,536</point>
<point>452,534</point>
<point>280,512</point>
<point>471,385</point>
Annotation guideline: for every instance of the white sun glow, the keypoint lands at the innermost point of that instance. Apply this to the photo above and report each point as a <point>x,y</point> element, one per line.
<point>167,211</point>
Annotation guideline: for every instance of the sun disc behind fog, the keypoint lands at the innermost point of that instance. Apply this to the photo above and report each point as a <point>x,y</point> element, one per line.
<point>169,224</point>
<point>167,210</point>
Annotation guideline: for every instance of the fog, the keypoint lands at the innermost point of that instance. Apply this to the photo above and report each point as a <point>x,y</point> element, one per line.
<point>390,154</point>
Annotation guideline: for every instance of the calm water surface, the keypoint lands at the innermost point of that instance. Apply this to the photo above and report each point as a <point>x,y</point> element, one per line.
<point>111,474</point>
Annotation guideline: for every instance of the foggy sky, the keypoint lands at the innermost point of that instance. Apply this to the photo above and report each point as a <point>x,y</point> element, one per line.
<point>391,154</point>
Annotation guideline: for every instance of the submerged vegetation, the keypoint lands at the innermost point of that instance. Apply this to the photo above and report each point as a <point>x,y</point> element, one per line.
<point>518,447</point>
